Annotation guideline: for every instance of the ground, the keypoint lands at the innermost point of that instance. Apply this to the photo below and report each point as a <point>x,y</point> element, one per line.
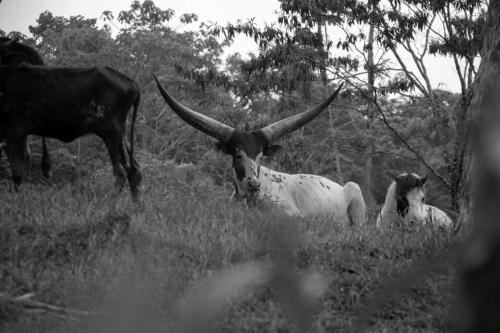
<point>190,260</point>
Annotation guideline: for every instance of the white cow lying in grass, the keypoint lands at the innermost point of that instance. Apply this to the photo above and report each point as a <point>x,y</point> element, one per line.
<point>404,204</point>
<point>297,195</point>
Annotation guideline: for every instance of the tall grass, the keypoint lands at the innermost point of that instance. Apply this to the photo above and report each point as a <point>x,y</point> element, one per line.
<point>189,259</point>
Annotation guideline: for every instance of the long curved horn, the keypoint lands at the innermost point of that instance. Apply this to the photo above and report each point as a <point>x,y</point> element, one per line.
<point>280,128</point>
<point>199,121</point>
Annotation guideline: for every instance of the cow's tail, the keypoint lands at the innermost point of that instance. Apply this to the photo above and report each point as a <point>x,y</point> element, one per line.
<point>132,125</point>
<point>356,207</point>
<point>134,174</point>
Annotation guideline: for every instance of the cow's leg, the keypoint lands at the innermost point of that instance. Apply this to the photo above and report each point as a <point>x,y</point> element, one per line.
<point>16,150</point>
<point>46,164</point>
<point>27,153</point>
<point>356,207</point>
<point>113,142</point>
<point>133,174</point>
<point>3,148</point>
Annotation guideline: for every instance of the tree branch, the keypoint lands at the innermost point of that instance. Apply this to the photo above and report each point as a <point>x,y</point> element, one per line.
<point>409,74</point>
<point>426,44</point>
<point>26,301</point>
<point>409,147</point>
<point>448,27</point>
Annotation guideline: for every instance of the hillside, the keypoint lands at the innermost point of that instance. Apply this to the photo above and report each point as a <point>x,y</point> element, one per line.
<point>191,260</point>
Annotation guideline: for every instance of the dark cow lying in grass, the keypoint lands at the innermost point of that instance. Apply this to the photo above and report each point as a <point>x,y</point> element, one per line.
<point>66,103</point>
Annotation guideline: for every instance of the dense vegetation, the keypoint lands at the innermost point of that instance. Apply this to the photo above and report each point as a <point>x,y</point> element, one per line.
<point>74,242</point>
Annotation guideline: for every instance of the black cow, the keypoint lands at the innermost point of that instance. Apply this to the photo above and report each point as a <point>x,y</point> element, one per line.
<point>66,103</point>
<point>12,53</point>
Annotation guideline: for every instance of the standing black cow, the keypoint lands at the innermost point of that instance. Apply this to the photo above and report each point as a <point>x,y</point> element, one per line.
<point>12,53</point>
<point>66,103</point>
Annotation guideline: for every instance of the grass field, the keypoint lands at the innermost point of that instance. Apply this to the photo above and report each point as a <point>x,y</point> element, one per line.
<point>190,260</point>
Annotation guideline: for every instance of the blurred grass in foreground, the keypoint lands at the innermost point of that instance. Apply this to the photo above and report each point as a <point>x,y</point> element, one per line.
<point>191,260</point>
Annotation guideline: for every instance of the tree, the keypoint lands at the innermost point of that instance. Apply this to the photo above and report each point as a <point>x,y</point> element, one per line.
<point>149,45</point>
<point>296,41</point>
<point>480,256</point>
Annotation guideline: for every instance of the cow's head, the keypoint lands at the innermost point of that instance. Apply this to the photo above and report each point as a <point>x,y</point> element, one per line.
<point>7,43</point>
<point>13,53</point>
<point>410,196</point>
<point>9,56</point>
<point>245,147</point>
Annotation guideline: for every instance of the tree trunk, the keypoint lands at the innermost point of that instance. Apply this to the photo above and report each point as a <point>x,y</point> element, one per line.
<point>368,184</point>
<point>456,167</point>
<point>338,166</point>
<point>324,60</point>
<point>481,205</point>
<point>484,115</point>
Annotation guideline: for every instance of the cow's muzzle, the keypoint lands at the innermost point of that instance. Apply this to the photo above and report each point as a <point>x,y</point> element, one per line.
<point>252,192</point>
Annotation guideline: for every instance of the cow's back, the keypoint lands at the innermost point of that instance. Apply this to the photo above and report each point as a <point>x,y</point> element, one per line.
<point>37,81</point>
<point>314,195</point>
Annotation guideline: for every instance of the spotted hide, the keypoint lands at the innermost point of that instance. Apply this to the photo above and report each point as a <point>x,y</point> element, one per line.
<point>307,195</point>
<point>297,195</point>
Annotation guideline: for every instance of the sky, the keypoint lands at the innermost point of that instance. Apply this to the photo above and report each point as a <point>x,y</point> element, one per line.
<point>17,15</point>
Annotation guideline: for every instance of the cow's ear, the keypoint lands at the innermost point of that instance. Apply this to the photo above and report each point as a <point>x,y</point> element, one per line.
<point>272,150</point>
<point>223,147</point>
<point>13,58</point>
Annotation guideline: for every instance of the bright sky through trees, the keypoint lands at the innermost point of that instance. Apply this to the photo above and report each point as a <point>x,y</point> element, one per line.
<point>17,15</point>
